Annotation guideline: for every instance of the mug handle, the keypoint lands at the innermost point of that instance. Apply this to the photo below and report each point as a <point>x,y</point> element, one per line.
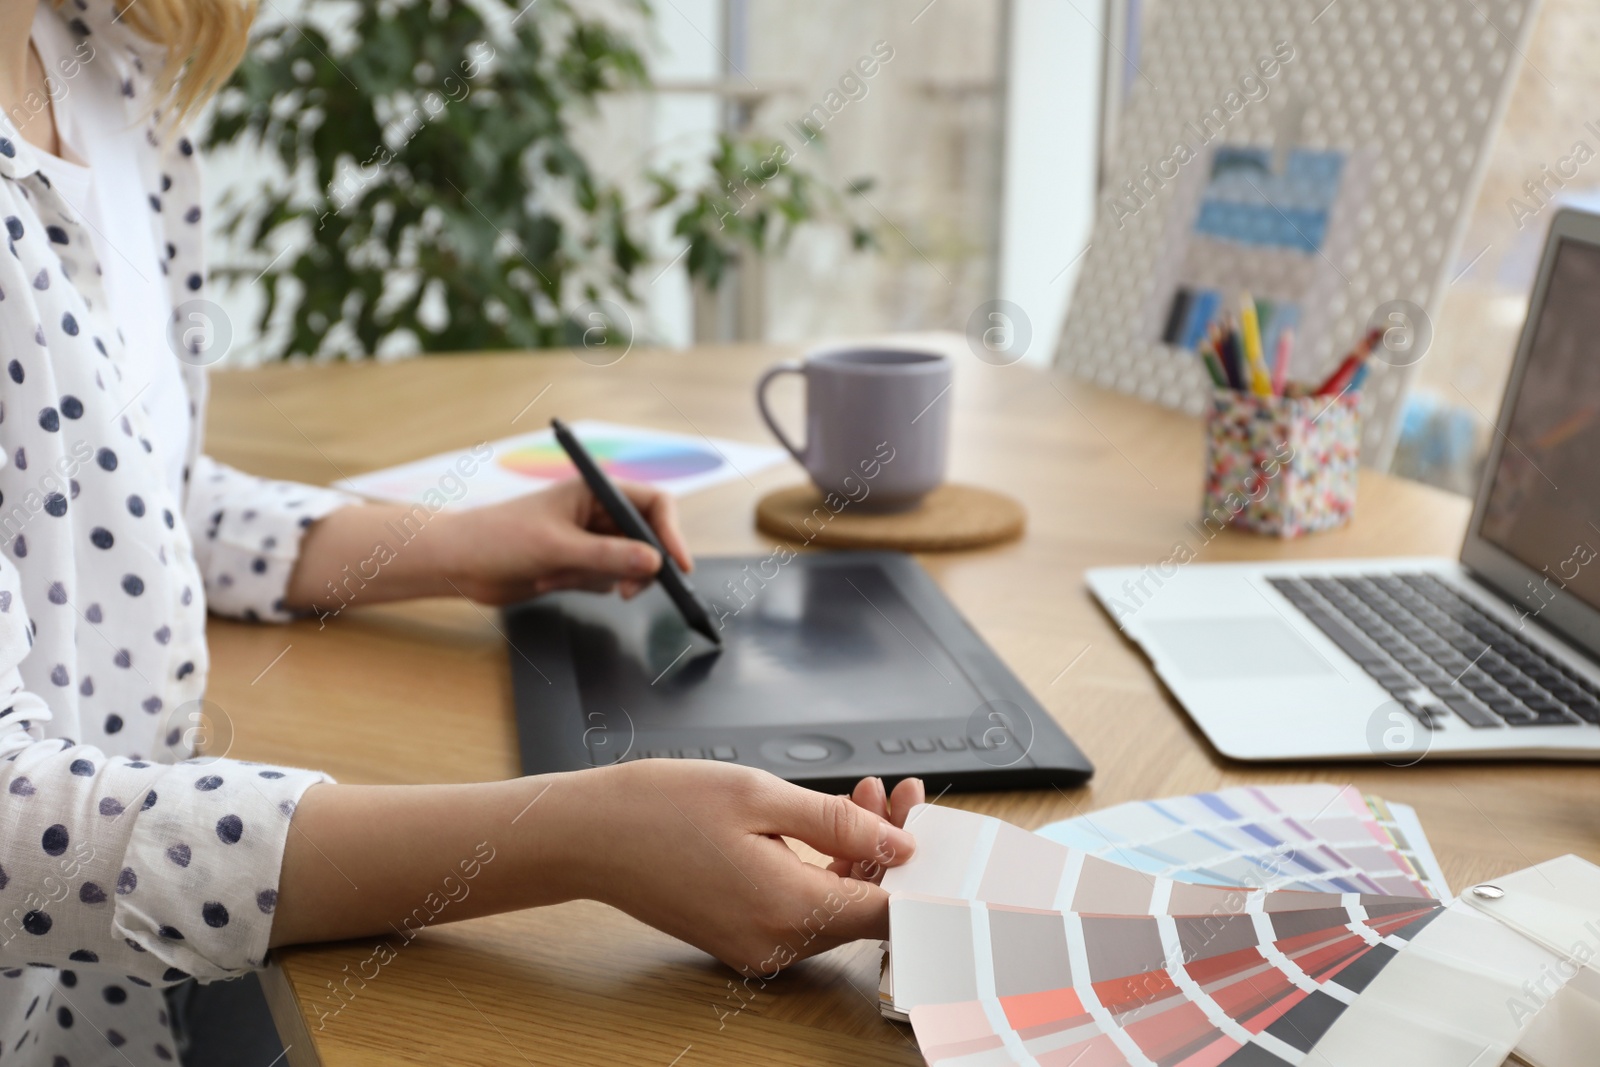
<point>786,367</point>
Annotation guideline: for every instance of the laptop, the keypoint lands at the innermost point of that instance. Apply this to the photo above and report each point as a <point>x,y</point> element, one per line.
<point>1493,654</point>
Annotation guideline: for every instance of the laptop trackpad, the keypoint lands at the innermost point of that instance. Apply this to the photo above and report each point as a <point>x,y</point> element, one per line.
<point>1264,647</point>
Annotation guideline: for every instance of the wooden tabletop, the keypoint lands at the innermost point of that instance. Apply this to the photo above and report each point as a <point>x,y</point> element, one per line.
<point>421,693</point>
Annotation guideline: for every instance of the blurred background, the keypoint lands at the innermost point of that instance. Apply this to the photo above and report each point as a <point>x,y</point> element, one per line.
<point>393,178</point>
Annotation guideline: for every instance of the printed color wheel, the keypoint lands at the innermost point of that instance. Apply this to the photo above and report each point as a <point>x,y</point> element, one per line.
<point>631,461</point>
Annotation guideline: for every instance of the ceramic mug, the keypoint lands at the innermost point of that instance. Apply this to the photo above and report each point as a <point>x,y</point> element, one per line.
<point>877,422</point>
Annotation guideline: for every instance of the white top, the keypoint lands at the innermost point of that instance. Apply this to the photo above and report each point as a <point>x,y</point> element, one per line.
<point>124,865</point>
<point>98,178</point>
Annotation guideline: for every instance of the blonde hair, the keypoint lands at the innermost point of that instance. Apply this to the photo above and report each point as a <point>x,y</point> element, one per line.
<point>204,42</point>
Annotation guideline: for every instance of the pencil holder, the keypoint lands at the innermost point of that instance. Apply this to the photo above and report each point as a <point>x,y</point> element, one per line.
<point>1281,465</point>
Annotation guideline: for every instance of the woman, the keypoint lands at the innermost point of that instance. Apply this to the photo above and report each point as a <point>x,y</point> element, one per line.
<point>123,870</point>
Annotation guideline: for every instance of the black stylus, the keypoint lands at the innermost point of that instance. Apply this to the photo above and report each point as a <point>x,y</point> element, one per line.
<point>632,524</point>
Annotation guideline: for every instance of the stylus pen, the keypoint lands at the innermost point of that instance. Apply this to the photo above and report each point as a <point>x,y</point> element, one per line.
<point>632,524</point>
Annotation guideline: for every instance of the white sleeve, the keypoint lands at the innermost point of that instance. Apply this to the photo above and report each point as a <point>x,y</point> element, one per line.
<point>246,533</point>
<point>161,871</point>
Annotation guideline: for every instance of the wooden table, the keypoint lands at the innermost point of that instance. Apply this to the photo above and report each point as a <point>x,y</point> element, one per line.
<point>421,693</point>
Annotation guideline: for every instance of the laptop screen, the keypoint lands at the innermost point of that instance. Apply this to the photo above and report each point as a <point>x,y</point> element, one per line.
<point>1543,505</point>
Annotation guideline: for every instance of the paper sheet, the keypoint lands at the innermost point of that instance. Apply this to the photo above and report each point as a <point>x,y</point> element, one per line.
<point>492,472</point>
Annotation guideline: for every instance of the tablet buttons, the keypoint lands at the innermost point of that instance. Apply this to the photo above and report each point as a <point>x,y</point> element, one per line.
<point>952,744</point>
<point>724,752</point>
<point>891,746</point>
<point>808,749</point>
<point>922,744</point>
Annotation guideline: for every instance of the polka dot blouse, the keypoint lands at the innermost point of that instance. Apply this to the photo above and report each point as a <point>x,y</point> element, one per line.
<point>125,865</point>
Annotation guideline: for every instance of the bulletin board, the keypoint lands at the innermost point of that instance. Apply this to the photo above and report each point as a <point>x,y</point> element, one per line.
<point>1322,156</point>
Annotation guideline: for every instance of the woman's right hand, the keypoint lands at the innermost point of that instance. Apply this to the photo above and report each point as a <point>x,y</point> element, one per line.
<point>695,848</point>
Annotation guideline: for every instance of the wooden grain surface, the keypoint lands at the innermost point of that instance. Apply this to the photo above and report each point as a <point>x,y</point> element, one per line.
<point>954,517</point>
<point>420,693</point>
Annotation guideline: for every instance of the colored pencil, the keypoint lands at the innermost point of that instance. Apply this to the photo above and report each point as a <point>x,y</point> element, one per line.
<point>1214,344</point>
<point>1280,366</point>
<point>1233,360</point>
<point>1340,379</point>
<point>1336,382</point>
<point>1250,334</point>
<point>1342,375</point>
<point>1232,351</point>
<point>1208,356</point>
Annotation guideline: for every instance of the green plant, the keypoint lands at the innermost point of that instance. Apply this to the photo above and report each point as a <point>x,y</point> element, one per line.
<point>754,199</point>
<point>449,208</point>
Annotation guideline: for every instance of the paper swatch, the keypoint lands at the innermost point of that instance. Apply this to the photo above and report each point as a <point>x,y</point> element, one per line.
<point>1173,990</point>
<point>1009,947</point>
<point>1315,837</point>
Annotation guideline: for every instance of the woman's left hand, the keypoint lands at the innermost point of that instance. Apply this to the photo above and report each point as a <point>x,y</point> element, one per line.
<point>559,538</point>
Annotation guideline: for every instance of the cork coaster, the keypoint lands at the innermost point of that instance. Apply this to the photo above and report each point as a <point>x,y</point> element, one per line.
<point>951,517</point>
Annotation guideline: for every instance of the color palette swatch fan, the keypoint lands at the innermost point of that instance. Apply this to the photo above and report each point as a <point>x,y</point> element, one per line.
<point>493,472</point>
<point>1008,947</point>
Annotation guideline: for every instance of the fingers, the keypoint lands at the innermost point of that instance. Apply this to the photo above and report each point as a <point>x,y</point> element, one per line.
<point>908,793</point>
<point>868,794</point>
<point>837,826</point>
<point>661,512</point>
<point>658,509</point>
<point>605,554</point>
<point>826,912</point>
<point>865,914</point>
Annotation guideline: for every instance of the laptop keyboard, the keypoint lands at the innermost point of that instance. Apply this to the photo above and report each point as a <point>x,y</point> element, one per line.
<point>1438,654</point>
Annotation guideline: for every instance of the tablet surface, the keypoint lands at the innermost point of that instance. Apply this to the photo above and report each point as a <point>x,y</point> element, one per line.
<point>835,666</point>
